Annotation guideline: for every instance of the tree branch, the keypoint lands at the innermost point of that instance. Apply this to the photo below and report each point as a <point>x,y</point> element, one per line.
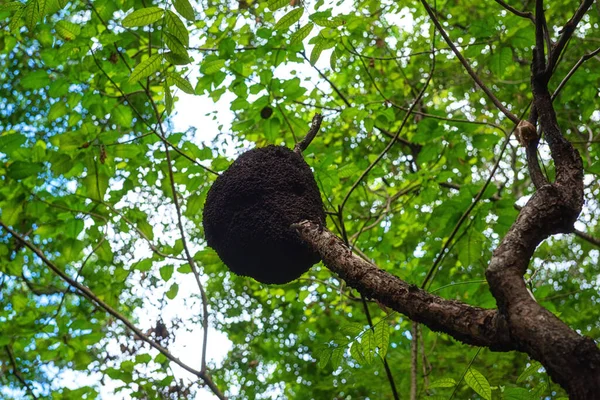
<point>524,14</point>
<point>471,325</point>
<point>85,291</point>
<point>583,59</point>
<point>566,33</point>
<point>467,67</point>
<point>17,373</point>
<point>312,132</point>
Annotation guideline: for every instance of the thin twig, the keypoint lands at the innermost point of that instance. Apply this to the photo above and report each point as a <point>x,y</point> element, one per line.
<point>394,139</point>
<point>567,32</point>
<point>430,274</point>
<point>466,65</point>
<point>312,132</point>
<point>17,373</point>
<point>333,86</point>
<point>583,59</point>
<point>524,14</point>
<point>141,117</point>
<point>414,359</point>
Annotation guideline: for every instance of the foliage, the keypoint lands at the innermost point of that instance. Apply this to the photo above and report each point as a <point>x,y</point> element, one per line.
<point>90,163</point>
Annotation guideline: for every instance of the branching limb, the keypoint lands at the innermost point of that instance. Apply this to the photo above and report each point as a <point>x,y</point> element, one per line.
<point>312,132</point>
<point>86,292</point>
<point>468,324</point>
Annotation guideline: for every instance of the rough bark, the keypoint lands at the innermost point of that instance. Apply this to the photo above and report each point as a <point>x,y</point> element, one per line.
<point>519,323</point>
<point>471,325</point>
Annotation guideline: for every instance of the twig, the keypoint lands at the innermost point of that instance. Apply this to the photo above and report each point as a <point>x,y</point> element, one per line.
<point>85,291</point>
<point>567,32</point>
<point>333,86</point>
<point>394,139</point>
<point>524,14</point>
<point>583,59</point>
<point>466,65</point>
<point>463,217</point>
<point>190,260</point>
<point>414,359</point>
<point>141,117</point>
<point>312,132</point>
<point>17,373</point>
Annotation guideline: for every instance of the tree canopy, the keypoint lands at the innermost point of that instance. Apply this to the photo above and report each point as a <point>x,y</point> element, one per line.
<point>417,163</point>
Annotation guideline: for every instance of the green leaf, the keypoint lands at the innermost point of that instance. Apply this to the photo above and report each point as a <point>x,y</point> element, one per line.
<point>533,368</point>
<point>11,142</point>
<point>184,8</point>
<point>73,228</point>
<point>357,353</point>
<point>323,355</point>
<point>35,80</point>
<point>143,358</point>
<point>478,383</point>
<point>316,52</point>
<point>168,98</point>
<point>352,329</point>
<point>212,67</point>
<point>166,272</point>
<point>11,212</point>
<point>182,83</point>
<point>174,45</point>
<point>172,292</point>
<point>329,22</point>
<point>11,6</point>
<point>274,5</point>
<point>32,14</point>
<point>57,110</point>
<point>15,21</point>
<point>442,383</point>
<point>368,346</point>
<point>146,68</point>
<point>501,60</point>
<point>176,59</point>
<point>382,337</point>
<point>122,115</point>
<point>337,355</point>
<point>516,393</point>
<point>143,17</point>
<point>539,390</point>
<point>67,30</point>
<point>301,34</point>
<point>96,184</point>
<point>21,169</point>
<point>289,19</point>
<point>177,28</point>
<point>146,229</point>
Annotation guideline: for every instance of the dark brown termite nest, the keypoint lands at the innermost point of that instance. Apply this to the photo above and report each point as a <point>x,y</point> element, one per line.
<point>249,211</point>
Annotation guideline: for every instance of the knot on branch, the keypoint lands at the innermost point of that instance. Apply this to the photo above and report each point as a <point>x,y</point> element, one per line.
<point>526,133</point>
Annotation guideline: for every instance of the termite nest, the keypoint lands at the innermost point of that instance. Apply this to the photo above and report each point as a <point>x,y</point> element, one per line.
<point>249,211</point>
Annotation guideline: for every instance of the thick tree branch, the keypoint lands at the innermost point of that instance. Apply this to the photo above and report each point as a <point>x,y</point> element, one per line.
<point>571,360</point>
<point>470,325</point>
